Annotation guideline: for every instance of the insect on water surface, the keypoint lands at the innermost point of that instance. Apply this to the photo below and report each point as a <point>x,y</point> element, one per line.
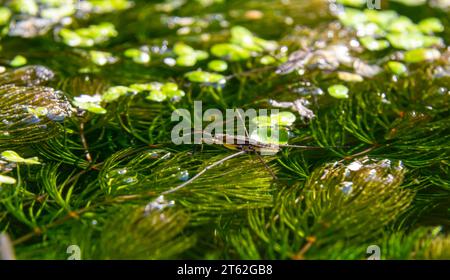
<point>244,144</point>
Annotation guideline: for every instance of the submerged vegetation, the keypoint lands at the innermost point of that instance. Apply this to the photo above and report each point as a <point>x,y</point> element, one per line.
<point>87,91</point>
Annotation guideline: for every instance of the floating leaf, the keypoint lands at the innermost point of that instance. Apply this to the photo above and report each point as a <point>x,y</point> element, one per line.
<point>57,13</point>
<point>350,77</point>
<point>270,135</point>
<point>188,60</point>
<point>372,44</point>
<point>430,25</point>
<point>18,61</point>
<point>90,103</point>
<point>406,41</point>
<point>12,156</point>
<point>411,2</point>
<point>89,36</point>
<point>243,37</point>
<point>5,15</point>
<point>146,87</point>
<point>201,55</point>
<point>107,6</point>
<point>352,17</point>
<point>102,58</point>
<point>188,56</point>
<point>181,49</point>
<point>280,119</point>
<point>169,87</point>
<point>397,68</point>
<point>423,54</point>
<point>338,91</point>
<point>267,60</point>
<point>354,3</point>
<point>230,51</point>
<point>205,77</point>
<point>381,18</point>
<point>138,56</point>
<point>157,96</point>
<point>403,25</point>
<point>25,6</point>
<point>114,93</point>
<point>218,65</point>
<point>7,180</point>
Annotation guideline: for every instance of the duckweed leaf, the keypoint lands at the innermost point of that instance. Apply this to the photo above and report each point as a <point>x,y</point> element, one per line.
<point>138,56</point>
<point>106,6</point>
<point>422,54</point>
<point>374,45</point>
<point>201,55</point>
<point>12,156</point>
<point>89,36</point>
<point>218,65</point>
<point>181,49</point>
<point>350,77</point>
<point>114,93</point>
<point>90,104</point>
<point>354,3</point>
<point>243,37</point>
<point>403,25</point>
<point>57,13</point>
<point>430,25</point>
<point>270,135</point>
<point>338,91</point>
<point>157,96</point>
<point>406,41</point>
<point>187,60</point>
<point>5,15</point>
<point>188,56</point>
<point>175,95</point>
<point>230,51</point>
<point>280,119</point>
<point>146,87</point>
<point>381,18</point>
<point>397,68</point>
<point>267,60</point>
<point>7,180</point>
<point>411,2</point>
<point>25,6</point>
<point>205,77</point>
<point>169,87</point>
<point>18,61</point>
<point>102,58</point>
<point>352,17</point>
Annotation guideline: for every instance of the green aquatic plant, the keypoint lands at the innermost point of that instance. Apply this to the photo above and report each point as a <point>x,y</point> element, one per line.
<point>5,15</point>
<point>138,55</point>
<point>18,61</point>
<point>7,180</point>
<point>90,103</point>
<point>187,56</point>
<point>86,150</point>
<point>89,36</point>
<point>418,55</point>
<point>397,68</point>
<point>218,65</point>
<point>205,77</point>
<point>12,156</point>
<point>338,91</point>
